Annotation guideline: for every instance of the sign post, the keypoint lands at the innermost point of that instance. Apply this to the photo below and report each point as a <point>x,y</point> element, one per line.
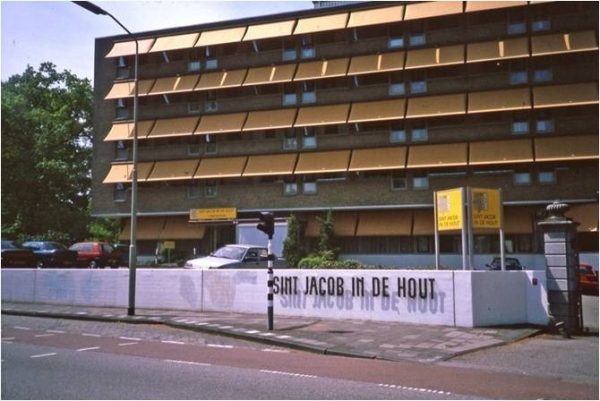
<point>449,216</point>
<point>485,209</point>
<point>267,226</point>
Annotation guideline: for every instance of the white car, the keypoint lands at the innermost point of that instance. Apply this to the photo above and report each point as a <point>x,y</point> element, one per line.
<point>232,257</point>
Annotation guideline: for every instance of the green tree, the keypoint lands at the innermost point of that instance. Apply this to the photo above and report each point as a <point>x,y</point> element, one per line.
<point>326,247</point>
<point>46,153</point>
<point>293,249</point>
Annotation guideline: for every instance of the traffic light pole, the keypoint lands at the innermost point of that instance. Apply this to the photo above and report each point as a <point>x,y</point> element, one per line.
<point>270,284</point>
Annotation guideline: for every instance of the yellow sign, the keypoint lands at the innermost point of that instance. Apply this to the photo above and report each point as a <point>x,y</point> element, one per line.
<point>216,214</point>
<point>485,208</point>
<point>449,209</point>
<point>168,244</point>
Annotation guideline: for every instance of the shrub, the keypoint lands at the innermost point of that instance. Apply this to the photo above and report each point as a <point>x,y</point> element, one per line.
<point>293,250</point>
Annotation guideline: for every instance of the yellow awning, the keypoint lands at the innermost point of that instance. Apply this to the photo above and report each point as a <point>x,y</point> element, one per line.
<point>270,30</point>
<point>322,115</point>
<point>320,24</point>
<point>375,16</point>
<point>586,215</point>
<point>443,155</point>
<point>378,159</point>
<point>436,106</point>
<point>502,100</point>
<point>179,227</point>
<point>565,95</point>
<point>344,224</point>
<point>562,43</point>
<point>124,131</point>
<point>122,90</point>
<point>377,111</point>
<point>128,48</point>
<point>384,223</point>
<point>432,9</point>
<point>569,147</point>
<point>121,173</point>
<point>147,228</point>
<point>174,127</point>
<point>491,5</point>
<point>269,75</point>
<point>224,79</point>
<point>500,152</point>
<point>262,165</point>
<point>435,56</point>
<point>270,119</point>
<point>220,36</point>
<point>518,220</point>
<point>221,123</point>
<point>173,170</point>
<point>494,50</point>
<point>221,167</point>
<point>376,63</point>
<point>185,83</point>
<point>423,222</point>
<point>322,69</point>
<point>323,162</point>
<point>174,42</point>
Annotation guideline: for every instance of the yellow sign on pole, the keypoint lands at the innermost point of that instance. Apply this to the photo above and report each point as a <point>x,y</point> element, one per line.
<point>449,209</point>
<point>169,245</point>
<point>213,215</point>
<point>485,208</point>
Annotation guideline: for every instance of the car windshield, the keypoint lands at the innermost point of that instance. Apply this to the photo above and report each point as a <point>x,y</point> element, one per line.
<point>229,252</point>
<point>54,245</point>
<point>9,245</point>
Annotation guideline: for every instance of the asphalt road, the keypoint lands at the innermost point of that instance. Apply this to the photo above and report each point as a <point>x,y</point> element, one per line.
<point>56,359</point>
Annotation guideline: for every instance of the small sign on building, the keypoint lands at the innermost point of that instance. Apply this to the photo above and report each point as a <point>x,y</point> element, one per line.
<point>485,208</point>
<point>449,209</point>
<point>218,215</point>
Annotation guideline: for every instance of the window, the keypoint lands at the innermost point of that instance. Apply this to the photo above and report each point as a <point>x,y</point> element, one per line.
<point>290,188</point>
<point>418,86</point>
<point>547,177</point>
<point>122,69</point>
<point>520,127</point>
<point>210,189</point>
<point>416,39</point>
<point>193,108</point>
<point>543,75</point>
<point>193,149</point>
<point>540,25</point>
<point>194,65</point>
<point>288,55</point>
<point>309,187</point>
<point>421,182</point>
<point>290,141</point>
<point>522,178</point>
<point>516,28</point>
<point>210,106</point>
<point>307,52</point>
<point>397,136</point>
<point>397,89</point>
<point>309,139</point>
<point>289,99</point>
<point>418,134</point>
<point>424,244</point>
<point>121,62</point>
<point>396,42</point>
<point>309,97</point>
<point>194,191</point>
<point>210,148</point>
<point>121,110</point>
<point>121,151</point>
<point>544,126</point>
<point>211,64</point>
<point>398,182</point>
<point>119,193</point>
<point>518,77</point>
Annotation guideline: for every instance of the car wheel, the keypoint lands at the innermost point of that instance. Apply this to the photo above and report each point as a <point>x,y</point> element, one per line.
<point>39,264</point>
<point>93,264</point>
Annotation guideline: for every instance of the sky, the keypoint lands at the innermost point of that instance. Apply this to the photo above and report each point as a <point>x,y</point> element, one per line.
<point>61,32</point>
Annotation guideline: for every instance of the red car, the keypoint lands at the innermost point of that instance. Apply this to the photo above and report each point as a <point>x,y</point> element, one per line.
<point>96,255</point>
<point>588,279</point>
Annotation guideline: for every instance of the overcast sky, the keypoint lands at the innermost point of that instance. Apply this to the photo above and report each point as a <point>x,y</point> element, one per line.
<point>64,33</point>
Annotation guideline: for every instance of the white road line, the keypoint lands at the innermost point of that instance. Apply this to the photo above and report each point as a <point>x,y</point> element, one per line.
<point>422,390</point>
<point>283,337</point>
<point>44,335</point>
<point>124,344</point>
<point>277,372</point>
<point>219,346</point>
<point>56,331</point>
<point>6,342</point>
<point>252,331</point>
<point>172,342</point>
<point>90,335</point>
<point>283,351</point>
<point>225,327</point>
<point>7,338</point>
<point>81,313</point>
<point>87,349</point>
<point>201,324</point>
<point>43,355</point>
<point>130,338</point>
<point>188,362</point>
<point>21,328</point>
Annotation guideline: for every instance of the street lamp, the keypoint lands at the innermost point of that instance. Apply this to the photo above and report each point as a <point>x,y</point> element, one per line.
<point>134,172</point>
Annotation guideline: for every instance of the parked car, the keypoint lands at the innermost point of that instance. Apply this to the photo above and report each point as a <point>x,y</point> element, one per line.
<point>234,257</point>
<point>14,255</point>
<point>509,263</point>
<point>95,255</point>
<point>51,253</point>
<point>123,254</point>
<point>588,279</point>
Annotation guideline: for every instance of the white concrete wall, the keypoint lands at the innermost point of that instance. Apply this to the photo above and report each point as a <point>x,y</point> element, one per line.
<point>461,298</point>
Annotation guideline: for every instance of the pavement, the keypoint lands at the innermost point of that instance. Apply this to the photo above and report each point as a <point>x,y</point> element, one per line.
<point>353,338</point>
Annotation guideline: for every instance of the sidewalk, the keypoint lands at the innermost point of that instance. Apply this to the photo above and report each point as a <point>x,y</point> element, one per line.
<point>365,339</point>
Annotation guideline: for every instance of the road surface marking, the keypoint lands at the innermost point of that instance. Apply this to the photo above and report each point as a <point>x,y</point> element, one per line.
<point>172,342</point>
<point>124,344</point>
<point>87,349</point>
<point>219,346</point>
<point>225,327</point>
<point>283,337</point>
<point>277,372</point>
<point>81,313</point>
<point>188,362</point>
<point>21,328</point>
<point>43,355</point>
<point>275,350</point>
<point>130,338</point>
<point>56,331</point>
<point>90,335</point>
<point>423,390</point>
<point>266,334</point>
<point>201,324</point>
<point>7,338</point>
<point>44,335</point>
<point>252,331</point>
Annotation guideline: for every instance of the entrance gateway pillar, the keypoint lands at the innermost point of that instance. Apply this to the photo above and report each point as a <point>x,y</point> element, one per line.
<point>562,264</point>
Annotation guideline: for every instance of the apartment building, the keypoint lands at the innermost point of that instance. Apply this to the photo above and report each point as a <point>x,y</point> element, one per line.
<point>363,109</point>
